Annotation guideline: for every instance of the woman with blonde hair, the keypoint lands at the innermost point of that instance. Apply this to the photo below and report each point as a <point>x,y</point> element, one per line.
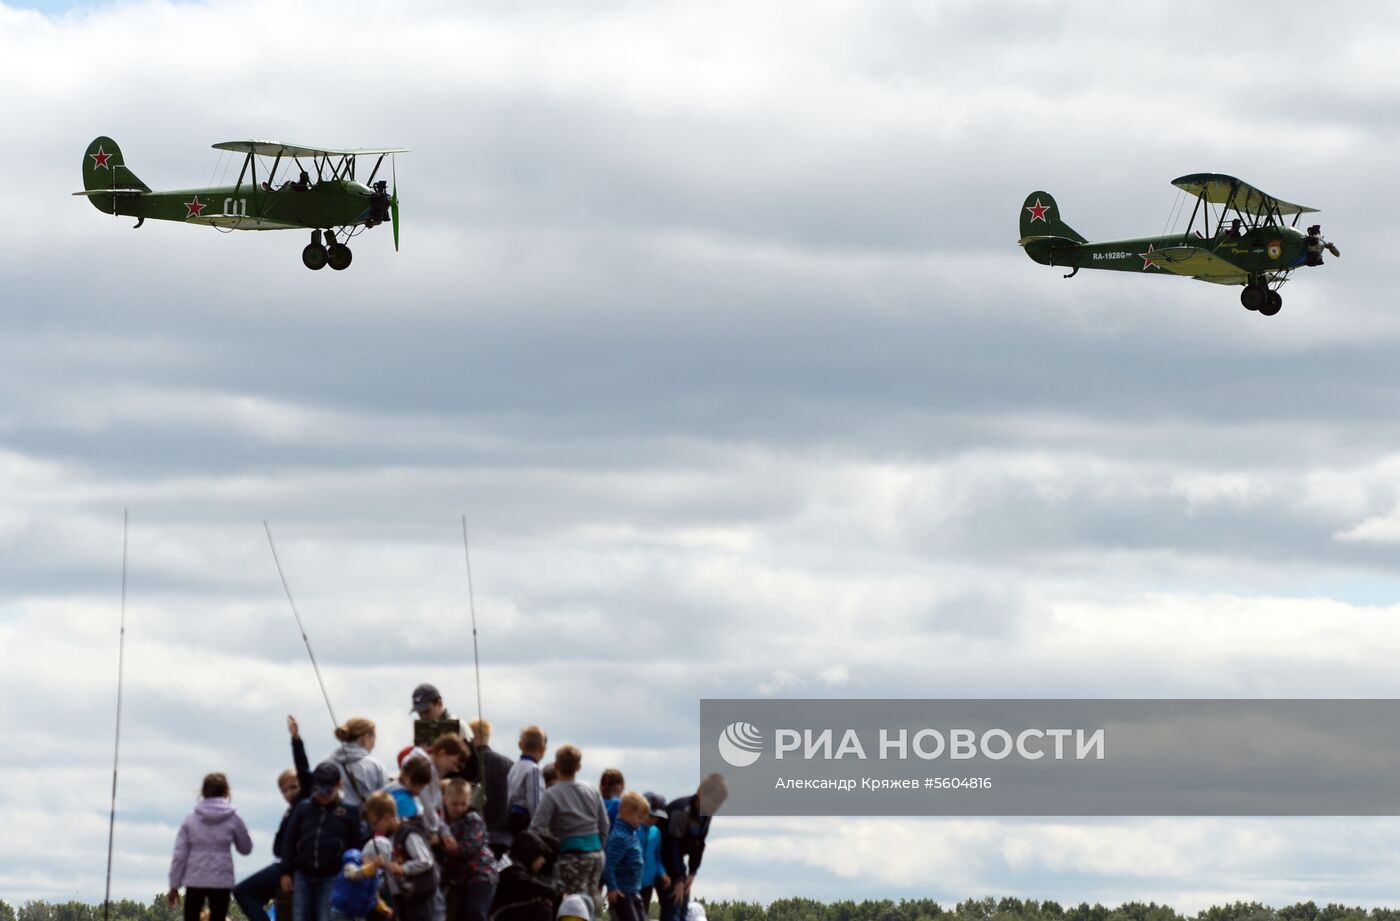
<point>360,774</point>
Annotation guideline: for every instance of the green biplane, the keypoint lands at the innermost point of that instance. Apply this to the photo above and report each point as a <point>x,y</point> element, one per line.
<point>326,199</point>
<point>1241,240</point>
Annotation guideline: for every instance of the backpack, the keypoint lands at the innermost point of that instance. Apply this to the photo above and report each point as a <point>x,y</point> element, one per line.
<point>355,897</point>
<point>423,884</point>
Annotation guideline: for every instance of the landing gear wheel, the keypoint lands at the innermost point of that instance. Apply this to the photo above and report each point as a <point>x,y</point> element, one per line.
<point>339,256</point>
<point>1273,303</point>
<point>1253,297</point>
<point>314,256</point>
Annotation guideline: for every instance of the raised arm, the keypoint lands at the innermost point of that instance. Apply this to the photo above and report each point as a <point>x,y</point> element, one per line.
<point>299,759</point>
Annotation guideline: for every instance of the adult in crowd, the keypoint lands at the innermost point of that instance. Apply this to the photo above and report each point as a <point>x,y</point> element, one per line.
<point>360,773</point>
<point>490,771</point>
<point>428,705</point>
<point>683,843</point>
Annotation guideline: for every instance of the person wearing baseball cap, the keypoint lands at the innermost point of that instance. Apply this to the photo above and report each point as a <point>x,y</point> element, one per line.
<point>320,830</point>
<point>427,703</point>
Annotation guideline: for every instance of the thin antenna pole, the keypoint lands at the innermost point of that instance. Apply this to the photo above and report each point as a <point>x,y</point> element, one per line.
<point>471,601</point>
<point>300,627</point>
<point>117,742</point>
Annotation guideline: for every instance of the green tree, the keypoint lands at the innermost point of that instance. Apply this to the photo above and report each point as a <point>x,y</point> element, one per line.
<point>1086,912</point>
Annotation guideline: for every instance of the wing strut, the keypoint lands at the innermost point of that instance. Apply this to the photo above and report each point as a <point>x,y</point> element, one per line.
<point>241,173</point>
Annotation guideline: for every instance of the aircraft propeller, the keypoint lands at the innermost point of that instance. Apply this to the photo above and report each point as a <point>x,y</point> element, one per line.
<point>394,204</point>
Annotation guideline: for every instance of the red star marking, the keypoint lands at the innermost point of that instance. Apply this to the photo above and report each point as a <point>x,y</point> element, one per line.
<point>1147,261</point>
<point>193,208</point>
<point>1038,210</point>
<point>100,158</point>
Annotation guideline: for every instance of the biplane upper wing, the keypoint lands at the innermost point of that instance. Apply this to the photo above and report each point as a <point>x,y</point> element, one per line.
<point>1195,262</point>
<point>1219,189</point>
<point>278,148</point>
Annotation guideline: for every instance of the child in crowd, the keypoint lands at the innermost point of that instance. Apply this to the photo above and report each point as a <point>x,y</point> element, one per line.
<point>253,892</point>
<point>623,860</point>
<point>471,871</point>
<point>610,786</point>
<point>652,872</point>
<point>525,891</point>
<point>550,774</point>
<point>414,777</point>
<point>416,888</point>
<point>318,834</point>
<point>573,812</point>
<point>525,783</point>
<point>355,894</point>
<point>444,757</point>
<point>202,862</point>
<point>573,908</point>
<point>382,816</point>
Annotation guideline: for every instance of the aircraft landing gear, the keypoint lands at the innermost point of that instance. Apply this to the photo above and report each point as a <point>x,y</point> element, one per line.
<point>1254,296</point>
<point>339,256</point>
<point>1273,303</point>
<point>1262,298</point>
<point>314,256</point>
<point>319,254</point>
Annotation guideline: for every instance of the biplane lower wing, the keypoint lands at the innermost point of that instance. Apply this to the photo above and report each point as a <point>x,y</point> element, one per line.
<point>1202,264</point>
<point>240,222</point>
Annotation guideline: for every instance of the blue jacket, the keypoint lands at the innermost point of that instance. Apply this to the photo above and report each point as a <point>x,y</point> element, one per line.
<point>622,862</point>
<point>651,856</point>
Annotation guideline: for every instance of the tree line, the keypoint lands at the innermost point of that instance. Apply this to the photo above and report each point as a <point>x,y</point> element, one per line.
<point>985,909</point>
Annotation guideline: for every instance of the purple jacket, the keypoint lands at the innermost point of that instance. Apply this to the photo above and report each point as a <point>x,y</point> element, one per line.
<point>202,855</point>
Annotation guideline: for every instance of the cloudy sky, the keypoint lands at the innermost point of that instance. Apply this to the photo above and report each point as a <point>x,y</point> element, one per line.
<point>711,319</point>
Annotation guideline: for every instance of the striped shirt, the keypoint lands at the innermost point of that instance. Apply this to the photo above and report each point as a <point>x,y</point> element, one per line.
<point>622,862</point>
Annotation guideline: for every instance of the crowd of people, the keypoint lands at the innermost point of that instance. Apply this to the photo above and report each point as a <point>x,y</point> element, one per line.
<point>459,833</point>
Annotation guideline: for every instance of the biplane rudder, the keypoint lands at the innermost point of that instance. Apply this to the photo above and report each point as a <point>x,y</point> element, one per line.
<point>104,167</point>
<point>1040,217</point>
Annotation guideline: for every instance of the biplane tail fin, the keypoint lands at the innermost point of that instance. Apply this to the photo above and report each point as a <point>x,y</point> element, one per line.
<point>1040,217</point>
<point>104,168</point>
